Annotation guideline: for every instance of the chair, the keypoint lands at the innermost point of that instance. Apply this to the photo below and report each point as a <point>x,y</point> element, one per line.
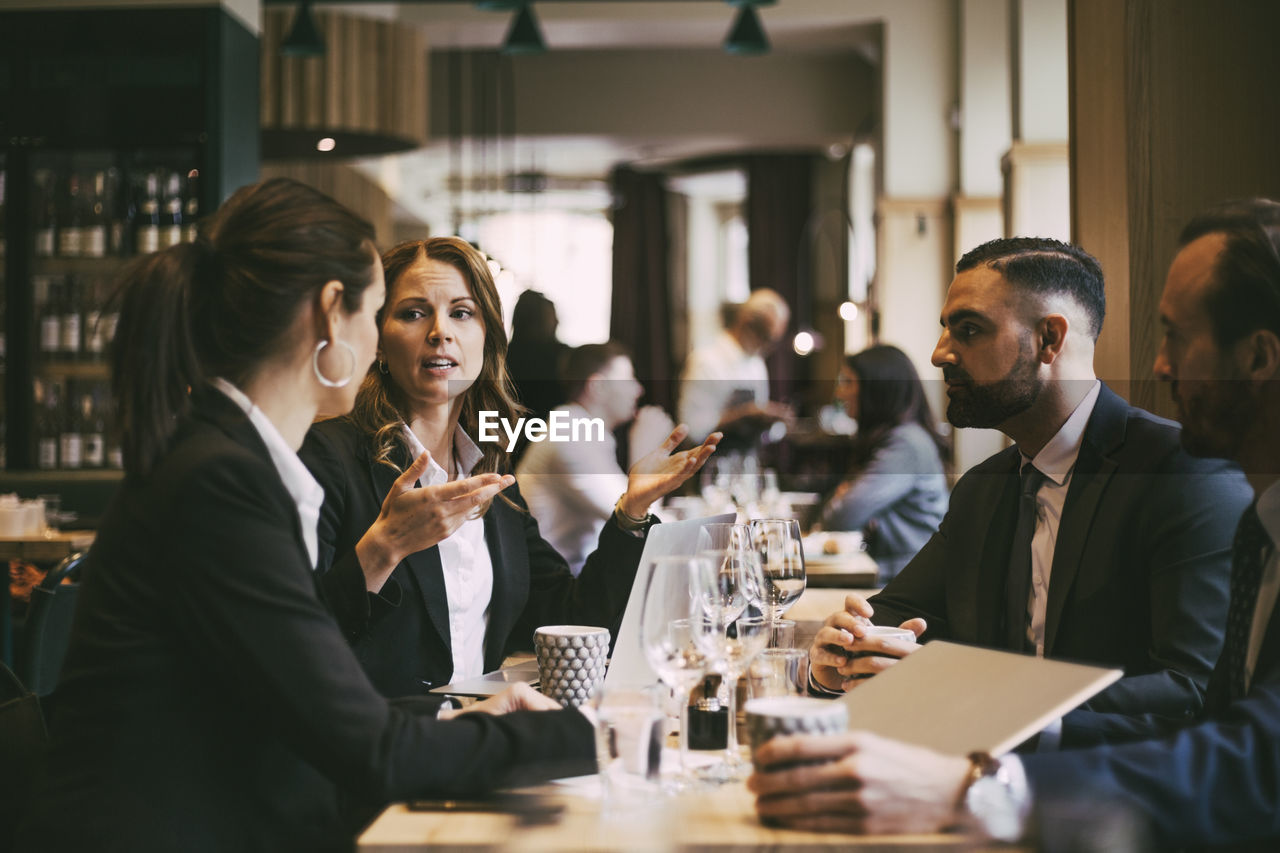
<point>22,749</point>
<point>48,627</point>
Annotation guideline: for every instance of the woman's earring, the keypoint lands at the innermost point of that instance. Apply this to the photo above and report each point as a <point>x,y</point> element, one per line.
<point>315,364</point>
<point>382,366</point>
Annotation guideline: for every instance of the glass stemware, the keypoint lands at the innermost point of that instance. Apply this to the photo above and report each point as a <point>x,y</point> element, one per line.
<point>670,622</point>
<point>777,540</point>
<point>731,632</point>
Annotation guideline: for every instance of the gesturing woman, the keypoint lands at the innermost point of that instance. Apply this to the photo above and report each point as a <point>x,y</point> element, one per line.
<point>434,575</point>
<point>208,700</point>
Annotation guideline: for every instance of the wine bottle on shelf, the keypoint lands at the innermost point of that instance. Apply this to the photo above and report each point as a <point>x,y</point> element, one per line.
<point>46,426</point>
<point>69,325</point>
<point>148,231</point>
<point>171,216</point>
<point>95,220</point>
<point>115,450</point>
<point>116,208</point>
<point>44,211</point>
<point>2,236</point>
<point>191,207</point>
<point>71,234</point>
<point>70,440</point>
<point>95,345</point>
<point>48,293</point>
<point>94,436</point>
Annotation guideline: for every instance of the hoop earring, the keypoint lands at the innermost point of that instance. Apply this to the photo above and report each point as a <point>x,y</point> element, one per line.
<point>382,366</point>
<point>315,364</point>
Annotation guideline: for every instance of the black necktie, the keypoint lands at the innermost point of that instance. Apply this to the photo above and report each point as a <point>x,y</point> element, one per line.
<point>1248,555</point>
<point>1018,585</point>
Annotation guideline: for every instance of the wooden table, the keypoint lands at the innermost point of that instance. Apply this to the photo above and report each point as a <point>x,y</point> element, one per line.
<point>721,819</point>
<point>48,548</point>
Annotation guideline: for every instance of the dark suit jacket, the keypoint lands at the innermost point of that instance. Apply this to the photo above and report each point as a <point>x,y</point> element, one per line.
<point>208,700</point>
<point>1210,783</point>
<point>401,635</point>
<point>1141,567</point>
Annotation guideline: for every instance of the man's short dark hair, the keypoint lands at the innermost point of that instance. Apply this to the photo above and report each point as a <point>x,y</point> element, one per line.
<point>1045,266</point>
<point>581,363</point>
<point>1246,290</point>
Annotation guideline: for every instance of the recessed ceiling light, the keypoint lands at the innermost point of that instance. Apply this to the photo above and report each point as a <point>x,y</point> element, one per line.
<point>327,143</point>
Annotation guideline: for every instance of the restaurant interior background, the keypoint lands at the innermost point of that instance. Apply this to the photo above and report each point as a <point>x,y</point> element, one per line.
<point>635,170</point>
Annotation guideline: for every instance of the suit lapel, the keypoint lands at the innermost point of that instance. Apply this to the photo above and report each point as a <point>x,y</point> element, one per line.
<point>222,412</point>
<point>504,535</point>
<point>1093,469</point>
<point>424,566</point>
<point>993,566</point>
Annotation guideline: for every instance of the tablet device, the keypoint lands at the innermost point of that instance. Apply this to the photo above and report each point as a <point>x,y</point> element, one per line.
<point>959,699</point>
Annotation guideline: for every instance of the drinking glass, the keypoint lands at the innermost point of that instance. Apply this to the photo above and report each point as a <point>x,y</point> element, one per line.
<point>781,561</point>
<point>670,620</point>
<point>731,632</point>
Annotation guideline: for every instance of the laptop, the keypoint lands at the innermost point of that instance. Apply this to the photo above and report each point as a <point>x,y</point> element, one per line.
<point>673,538</point>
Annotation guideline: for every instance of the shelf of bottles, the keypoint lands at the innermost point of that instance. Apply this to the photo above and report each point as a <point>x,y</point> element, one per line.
<point>91,212</point>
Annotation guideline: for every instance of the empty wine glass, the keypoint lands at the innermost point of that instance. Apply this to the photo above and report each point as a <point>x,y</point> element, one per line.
<point>729,638</point>
<point>724,535</point>
<point>670,621</point>
<point>777,540</point>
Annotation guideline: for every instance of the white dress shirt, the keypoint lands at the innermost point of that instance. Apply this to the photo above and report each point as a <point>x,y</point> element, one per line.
<point>464,557</point>
<point>1056,460</point>
<point>1269,589</point>
<point>307,494</point>
<point>571,489</point>
<point>716,375</point>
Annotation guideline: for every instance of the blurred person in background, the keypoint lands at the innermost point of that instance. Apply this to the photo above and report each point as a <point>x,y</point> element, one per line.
<point>896,493</point>
<point>573,487</point>
<point>725,384</point>
<point>208,700</point>
<point>535,356</point>
<point>433,575</point>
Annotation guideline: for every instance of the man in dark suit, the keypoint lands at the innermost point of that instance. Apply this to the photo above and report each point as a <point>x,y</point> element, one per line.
<point>1094,538</point>
<point>1209,782</point>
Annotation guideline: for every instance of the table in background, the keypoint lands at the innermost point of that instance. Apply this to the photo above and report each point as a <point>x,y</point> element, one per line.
<point>45,549</point>
<point>721,819</point>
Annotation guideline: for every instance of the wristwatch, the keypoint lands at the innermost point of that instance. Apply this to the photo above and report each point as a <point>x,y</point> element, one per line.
<point>993,801</point>
<point>631,524</point>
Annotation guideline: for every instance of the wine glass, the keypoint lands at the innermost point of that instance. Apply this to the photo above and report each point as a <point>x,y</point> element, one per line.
<point>731,632</point>
<point>670,621</point>
<point>781,561</point>
<point>724,535</point>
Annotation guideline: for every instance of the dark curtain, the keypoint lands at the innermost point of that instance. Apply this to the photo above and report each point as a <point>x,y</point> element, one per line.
<point>779,204</point>
<point>640,317</point>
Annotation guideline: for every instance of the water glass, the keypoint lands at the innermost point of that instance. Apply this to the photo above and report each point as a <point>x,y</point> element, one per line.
<point>782,561</point>
<point>629,728</point>
<point>778,672</point>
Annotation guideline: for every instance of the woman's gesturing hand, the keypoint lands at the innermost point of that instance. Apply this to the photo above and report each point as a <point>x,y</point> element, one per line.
<point>413,519</point>
<point>661,472</point>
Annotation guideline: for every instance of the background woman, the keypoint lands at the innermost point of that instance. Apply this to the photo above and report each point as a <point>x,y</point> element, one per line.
<point>439,583</point>
<point>896,492</point>
<point>208,700</point>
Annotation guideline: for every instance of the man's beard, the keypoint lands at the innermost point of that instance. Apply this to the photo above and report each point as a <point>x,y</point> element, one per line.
<point>990,404</point>
<point>1214,415</point>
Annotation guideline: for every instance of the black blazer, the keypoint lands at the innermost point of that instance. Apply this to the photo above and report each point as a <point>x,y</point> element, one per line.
<point>401,635</point>
<point>1141,567</point>
<point>1213,783</point>
<point>209,701</point>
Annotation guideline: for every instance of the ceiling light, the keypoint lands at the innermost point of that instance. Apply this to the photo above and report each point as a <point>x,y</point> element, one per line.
<point>848,312</point>
<point>327,143</point>
<point>804,343</point>
<point>746,36</point>
<point>524,37</point>
<point>304,39</point>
